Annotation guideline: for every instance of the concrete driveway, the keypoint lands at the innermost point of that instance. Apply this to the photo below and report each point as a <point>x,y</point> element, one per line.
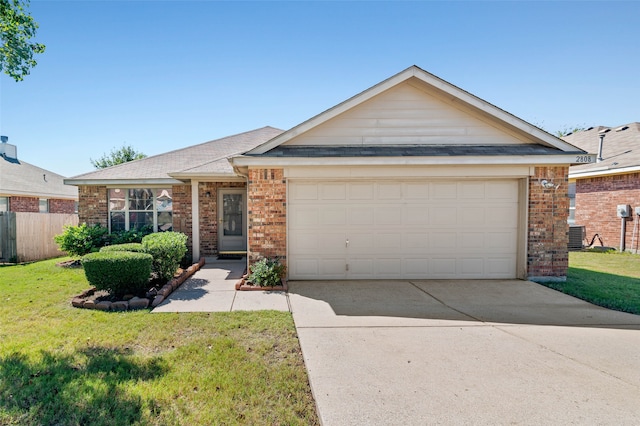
<point>465,352</point>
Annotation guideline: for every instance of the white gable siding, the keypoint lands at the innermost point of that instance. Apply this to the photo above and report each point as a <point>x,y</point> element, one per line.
<point>403,115</point>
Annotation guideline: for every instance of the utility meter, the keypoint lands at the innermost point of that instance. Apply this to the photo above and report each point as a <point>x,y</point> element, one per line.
<point>624,210</point>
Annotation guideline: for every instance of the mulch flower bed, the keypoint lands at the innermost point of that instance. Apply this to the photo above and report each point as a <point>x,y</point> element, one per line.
<point>244,285</point>
<point>104,301</point>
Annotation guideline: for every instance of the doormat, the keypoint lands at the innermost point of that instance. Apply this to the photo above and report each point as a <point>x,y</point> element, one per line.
<point>230,257</point>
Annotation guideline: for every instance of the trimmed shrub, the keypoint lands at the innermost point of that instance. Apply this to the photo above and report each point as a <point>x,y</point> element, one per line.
<point>132,236</point>
<point>266,273</point>
<point>134,247</point>
<point>80,240</point>
<point>118,272</point>
<point>167,249</point>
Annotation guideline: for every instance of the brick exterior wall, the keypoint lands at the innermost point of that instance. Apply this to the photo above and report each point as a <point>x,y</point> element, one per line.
<point>32,205</point>
<point>181,195</point>
<point>62,206</point>
<point>24,204</point>
<point>92,205</point>
<point>597,199</point>
<point>267,214</point>
<point>547,251</point>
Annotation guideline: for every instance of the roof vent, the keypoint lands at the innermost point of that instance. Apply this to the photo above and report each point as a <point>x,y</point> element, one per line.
<point>622,128</point>
<point>4,139</point>
<point>587,129</point>
<point>604,131</point>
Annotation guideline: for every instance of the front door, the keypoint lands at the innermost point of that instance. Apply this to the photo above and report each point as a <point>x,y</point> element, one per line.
<point>232,220</point>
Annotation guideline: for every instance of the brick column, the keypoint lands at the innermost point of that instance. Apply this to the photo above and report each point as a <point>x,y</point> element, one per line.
<point>267,214</point>
<point>92,205</point>
<point>182,222</point>
<point>548,254</point>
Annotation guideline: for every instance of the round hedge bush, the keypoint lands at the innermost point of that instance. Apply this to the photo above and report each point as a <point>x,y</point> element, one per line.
<point>118,272</point>
<point>135,247</point>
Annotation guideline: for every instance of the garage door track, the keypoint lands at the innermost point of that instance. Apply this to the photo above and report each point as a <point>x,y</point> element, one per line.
<point>465,352</point>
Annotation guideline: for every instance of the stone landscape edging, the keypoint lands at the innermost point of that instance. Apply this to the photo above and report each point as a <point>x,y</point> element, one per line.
<point>136,302</point>
<point>241,285</point>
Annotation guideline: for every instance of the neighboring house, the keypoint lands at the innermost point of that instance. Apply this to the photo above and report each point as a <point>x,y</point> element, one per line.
<point>28,188</point>
<point>613,180</point>
<point>35,204</point>
<point>412,178</point>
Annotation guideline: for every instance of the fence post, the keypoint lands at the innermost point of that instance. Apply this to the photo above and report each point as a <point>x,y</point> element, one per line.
<point>8,248</point>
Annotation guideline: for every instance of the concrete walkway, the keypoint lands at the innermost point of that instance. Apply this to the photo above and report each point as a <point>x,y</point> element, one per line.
<point>465,352</point>
<point>212,289</point>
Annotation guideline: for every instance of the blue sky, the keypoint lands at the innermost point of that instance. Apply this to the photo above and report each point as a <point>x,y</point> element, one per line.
<point>161,75</point>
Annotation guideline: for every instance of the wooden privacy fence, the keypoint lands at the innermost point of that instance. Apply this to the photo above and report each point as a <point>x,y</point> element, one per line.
<point>26,237</point>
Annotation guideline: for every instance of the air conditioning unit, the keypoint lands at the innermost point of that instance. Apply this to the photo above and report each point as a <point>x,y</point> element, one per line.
<point>577,234</point>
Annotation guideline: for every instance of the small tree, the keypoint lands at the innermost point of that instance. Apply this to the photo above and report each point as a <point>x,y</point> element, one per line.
<point>117,156</point>
<point>17,28</point>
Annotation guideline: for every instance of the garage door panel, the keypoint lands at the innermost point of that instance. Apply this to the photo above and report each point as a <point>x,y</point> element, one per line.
<point>413,229</point>
<point>387,215</point>
<point>443,240</point>
<point>472,190</point>
<point>333,191</point>
<point>361,191</point>
<point>443,216</point>
<point>415,268</point>
<point>362,216</point>
<point>416,215</point>
<point>416,191</point>
<point>303,216</point>
<point>443,267</point>
<point>471,266</point>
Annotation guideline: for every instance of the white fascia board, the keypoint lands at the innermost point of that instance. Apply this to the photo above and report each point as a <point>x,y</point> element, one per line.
<point>11,193</point>
<point>209,177</point>
<point>603,172</point>
<point>128,182</point>
<point>385,161</point>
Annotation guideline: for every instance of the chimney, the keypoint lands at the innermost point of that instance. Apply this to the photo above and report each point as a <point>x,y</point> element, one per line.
<point>7,151</point>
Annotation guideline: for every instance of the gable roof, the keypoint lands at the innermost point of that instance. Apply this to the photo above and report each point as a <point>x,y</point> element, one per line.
<point>444,89</point>
<point>205,159</point>
<point>18,177</point>
<point>620,150</point>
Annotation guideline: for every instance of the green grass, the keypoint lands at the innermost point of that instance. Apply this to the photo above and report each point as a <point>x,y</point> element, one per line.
<point>611,280</point>
<point>65,366</point>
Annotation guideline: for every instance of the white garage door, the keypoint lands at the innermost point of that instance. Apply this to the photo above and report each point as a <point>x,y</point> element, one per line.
<point>412,229</point>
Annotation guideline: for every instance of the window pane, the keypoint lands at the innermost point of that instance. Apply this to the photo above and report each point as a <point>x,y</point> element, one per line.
<point>44,205</point>
<point>164,202</point>
<point>140,220</point>
<point>116,199</point>
<point>4,204</point>
<point>165,221</point>
<point>140,199</point>
<point>117,221</point>
<point>232,214</point>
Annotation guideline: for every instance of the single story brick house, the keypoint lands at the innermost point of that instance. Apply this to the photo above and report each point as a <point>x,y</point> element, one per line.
<point>412,178</point>
<point>597,189</point>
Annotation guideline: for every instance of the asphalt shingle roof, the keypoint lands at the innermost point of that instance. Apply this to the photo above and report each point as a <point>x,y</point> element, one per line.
<point>21,178</point>
<point>621,148</point>
<point>207,157</point>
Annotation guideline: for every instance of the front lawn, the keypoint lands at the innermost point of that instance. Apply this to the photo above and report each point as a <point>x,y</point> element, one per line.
<point>65,366</point>
<point>611,280</point>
